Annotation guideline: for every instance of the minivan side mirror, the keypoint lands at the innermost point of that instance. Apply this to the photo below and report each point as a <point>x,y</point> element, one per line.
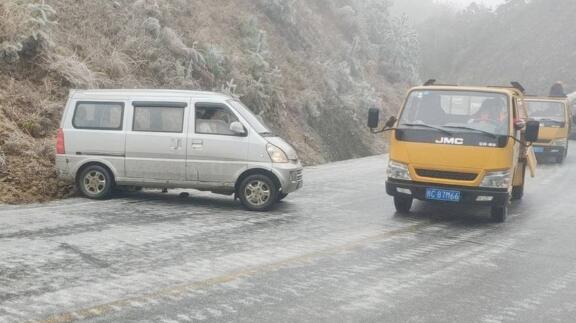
<point>373,118</point>
<point>237,128</point>
<point>532,131</point>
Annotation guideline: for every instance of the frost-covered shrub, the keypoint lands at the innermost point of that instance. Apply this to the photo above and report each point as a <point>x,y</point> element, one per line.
<point>3,163</point>
<point>24,29</point>
<point>281,10</point>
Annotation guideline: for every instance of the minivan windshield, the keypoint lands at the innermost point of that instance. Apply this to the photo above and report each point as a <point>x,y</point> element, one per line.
<point>547,112</point>
<point>255,122</point>
<point>457,111</point>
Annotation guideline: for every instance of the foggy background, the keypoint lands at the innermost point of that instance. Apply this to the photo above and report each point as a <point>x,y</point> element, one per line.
<point>464,3</point>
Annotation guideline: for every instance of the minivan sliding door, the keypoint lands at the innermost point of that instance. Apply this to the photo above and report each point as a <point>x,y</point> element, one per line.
<point>156,143</point>
<point>216,153</point>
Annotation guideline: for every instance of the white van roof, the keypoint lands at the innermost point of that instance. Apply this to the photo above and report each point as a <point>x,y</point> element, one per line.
<point>126,94</point>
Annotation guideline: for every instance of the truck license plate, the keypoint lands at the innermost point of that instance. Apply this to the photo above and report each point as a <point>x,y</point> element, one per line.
<point>443,195</point>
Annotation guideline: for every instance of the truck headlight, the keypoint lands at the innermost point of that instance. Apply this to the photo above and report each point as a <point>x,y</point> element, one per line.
<point>398,171</point>
<point>560,142</point>
<point>276,154</point>
<point>500,179</point>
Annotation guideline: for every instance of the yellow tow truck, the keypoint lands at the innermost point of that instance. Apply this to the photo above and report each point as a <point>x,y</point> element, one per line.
<point>555,117</point>
<point>456,144</point>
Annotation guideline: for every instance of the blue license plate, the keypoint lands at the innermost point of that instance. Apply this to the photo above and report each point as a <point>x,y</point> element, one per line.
<point>538,149</point>
<point>443,195</point>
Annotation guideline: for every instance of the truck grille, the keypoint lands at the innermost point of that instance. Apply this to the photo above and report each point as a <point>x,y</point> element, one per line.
<point>446,175</point>
<point>544,141</point>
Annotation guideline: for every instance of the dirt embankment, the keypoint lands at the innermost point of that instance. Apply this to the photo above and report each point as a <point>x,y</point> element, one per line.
<point>311,69</point>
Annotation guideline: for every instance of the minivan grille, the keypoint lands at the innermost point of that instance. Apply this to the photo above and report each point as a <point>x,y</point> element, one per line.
<point>446,175</point>
<point>299,175</point>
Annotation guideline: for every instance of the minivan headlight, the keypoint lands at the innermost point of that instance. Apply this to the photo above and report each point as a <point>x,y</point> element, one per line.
<point>276,154</point>
<point>398,171</point>
<point>560,142</point>
<point>501,179</point>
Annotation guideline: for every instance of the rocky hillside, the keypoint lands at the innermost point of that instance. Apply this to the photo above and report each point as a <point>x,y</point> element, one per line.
<point>310,68</point>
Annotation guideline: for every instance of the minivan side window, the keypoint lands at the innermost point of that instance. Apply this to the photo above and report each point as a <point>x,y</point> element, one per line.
<point>168,118</point>
<point>214,119</point>
<point>98,115</point>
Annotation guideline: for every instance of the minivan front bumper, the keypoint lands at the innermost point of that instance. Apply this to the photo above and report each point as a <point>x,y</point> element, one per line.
<point>469,195</point>
<point>290,176</point>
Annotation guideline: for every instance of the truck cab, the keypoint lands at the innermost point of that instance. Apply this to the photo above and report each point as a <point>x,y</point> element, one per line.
<point>455,144</point>
<point>555,117</point>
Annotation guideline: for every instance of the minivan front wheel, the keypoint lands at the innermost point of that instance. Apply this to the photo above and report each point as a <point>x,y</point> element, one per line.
<point>258,193</point>
<point>95,182</point>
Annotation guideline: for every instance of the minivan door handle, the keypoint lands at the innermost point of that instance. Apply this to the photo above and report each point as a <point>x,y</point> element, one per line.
<point>197,143</point>
<point>176,144</point>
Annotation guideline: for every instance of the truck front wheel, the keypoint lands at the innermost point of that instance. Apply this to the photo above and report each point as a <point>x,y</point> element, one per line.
<point>499,214</point>
<point>403,204</point>
<point>518,191</point>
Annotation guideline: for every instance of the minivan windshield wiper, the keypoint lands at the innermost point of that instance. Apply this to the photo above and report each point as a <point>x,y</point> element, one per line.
<point>267,134</point>
<point>493,135</point>
<point>423,125</point>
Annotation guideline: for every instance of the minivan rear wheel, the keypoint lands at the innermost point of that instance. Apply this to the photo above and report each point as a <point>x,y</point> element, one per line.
<point>95,182</point>
<point>258,193</point>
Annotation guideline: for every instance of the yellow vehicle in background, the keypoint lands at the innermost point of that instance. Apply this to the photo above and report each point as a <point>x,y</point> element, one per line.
<point>455,144</point>
<point>555,117</point>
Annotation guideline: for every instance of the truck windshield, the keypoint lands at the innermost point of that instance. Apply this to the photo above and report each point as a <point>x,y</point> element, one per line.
<point>547,112</point>
<point>256,123</point>
<point>455,111</point>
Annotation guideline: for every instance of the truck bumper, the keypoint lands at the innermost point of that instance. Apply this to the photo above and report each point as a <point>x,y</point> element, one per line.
<point>468,195</point>
<point>553,151</point>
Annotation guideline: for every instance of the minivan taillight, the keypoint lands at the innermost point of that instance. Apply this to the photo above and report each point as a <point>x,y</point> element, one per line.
<point>60,150</point>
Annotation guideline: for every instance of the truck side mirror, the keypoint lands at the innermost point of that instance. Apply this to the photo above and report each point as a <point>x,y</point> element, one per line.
<point>574,119</point>
<point>532,131</point>
<point>373,118</point>
<point>391,122</point>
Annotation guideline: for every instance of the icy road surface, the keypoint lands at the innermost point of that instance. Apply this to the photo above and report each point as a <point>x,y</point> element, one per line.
<point>334,252</point>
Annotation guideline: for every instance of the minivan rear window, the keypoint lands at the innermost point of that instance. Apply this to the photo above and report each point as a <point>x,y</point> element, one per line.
<point>98,115</point>
<point>158,119</point>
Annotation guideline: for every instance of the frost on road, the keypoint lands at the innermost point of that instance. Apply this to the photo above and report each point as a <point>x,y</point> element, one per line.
<point>333,252</point>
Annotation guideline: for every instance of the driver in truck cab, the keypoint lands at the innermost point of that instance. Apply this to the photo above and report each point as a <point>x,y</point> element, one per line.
<point>453,144</point>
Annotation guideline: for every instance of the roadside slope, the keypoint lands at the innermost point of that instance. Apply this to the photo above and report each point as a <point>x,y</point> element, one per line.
<point>311,69</point>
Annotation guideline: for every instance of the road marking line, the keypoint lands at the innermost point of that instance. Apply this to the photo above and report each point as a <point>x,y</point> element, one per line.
<point>116,306</point>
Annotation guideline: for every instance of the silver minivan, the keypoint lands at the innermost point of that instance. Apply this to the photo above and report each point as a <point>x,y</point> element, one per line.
<point>173,139</point>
